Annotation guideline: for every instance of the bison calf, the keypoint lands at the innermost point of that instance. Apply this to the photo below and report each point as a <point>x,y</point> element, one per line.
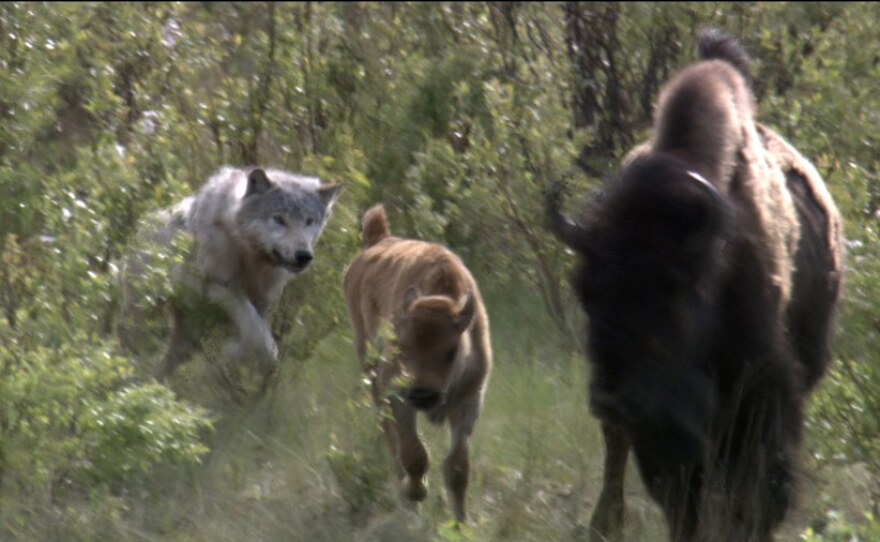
<point>442,347</point>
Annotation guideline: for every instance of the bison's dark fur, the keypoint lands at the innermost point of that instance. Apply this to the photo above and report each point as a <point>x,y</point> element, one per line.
<point>709,271</point>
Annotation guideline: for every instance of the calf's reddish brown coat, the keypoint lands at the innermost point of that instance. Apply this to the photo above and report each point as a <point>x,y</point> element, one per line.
<point>442,340</point>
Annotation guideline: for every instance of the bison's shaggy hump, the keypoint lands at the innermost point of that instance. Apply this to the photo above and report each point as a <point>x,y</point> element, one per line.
<point>710,270</point>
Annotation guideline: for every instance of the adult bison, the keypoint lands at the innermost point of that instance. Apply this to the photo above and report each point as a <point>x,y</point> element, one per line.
<point>709,271</point>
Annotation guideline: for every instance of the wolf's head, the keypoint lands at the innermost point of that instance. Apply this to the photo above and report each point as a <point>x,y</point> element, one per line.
<point>282,215</point>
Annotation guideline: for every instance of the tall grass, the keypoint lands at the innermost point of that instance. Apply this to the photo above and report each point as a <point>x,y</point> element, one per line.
<point>308,463</point>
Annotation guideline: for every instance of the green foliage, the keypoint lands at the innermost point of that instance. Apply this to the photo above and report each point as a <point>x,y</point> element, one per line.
<point>456,116</point>
<point>361,467</point>
<point>362,474</point>
<point>68,416</point>
<point>137,427</point>
<point>837,529</point>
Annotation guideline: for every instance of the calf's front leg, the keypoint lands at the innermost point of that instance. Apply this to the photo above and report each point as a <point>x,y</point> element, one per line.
<point>411,451</point>
<point>456,467</point>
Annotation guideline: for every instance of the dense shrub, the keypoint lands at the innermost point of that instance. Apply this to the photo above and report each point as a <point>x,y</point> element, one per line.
<point>456,115</point>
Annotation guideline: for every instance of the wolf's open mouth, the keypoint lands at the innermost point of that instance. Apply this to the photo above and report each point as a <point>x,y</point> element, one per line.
<point>292,267</point>
<point>289,265</point>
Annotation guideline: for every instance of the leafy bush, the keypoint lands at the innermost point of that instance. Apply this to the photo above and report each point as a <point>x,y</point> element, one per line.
<point>837,529</point>
<point>455,115</point>
<point>68,417</point>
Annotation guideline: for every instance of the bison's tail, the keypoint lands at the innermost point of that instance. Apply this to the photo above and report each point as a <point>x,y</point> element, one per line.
<point>716,45</point>
<point>375,225</point>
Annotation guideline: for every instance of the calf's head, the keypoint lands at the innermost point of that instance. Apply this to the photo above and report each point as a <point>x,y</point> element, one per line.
<point>432,344</point>
<point>650,259</point>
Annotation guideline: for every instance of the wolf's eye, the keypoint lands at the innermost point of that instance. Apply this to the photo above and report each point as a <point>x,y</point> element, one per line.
<point>310,221</point>
<point>279,220</point>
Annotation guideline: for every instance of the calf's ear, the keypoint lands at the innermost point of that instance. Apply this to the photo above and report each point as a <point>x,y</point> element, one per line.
<point>463,319</point>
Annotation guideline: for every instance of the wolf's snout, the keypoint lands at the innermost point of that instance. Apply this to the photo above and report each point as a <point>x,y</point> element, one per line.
<point>303,257</point>
<point>423,398</point>
<point>300,260</point>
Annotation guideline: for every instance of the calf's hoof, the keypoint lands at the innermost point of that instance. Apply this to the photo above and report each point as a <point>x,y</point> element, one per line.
<point>416,490</point>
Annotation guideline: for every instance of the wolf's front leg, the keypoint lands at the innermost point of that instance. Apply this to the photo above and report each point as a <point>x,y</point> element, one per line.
<point>255,337</point>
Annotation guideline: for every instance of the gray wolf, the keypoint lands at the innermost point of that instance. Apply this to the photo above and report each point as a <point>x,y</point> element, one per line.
<point>710,269</point>
<point>252,231</point>
<point>442,345</point>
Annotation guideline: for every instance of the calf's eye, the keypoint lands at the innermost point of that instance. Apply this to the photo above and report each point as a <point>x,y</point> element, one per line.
<point>310,221</point>
<point>279,220</point>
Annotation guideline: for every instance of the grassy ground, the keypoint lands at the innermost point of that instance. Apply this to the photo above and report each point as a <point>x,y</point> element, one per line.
<point>307,462</point>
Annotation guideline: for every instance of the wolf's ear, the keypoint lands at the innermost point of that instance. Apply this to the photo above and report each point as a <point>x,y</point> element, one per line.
<point>258,182</point>
<point>329,193</point>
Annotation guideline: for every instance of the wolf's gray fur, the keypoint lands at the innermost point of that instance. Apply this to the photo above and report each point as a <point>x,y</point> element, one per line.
<point>252,232</point>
